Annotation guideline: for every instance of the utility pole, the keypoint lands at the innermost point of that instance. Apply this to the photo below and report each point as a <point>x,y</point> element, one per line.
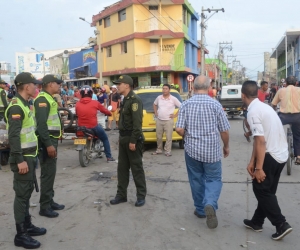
<point>236,64</point>
<point>222,47</point>
<point>227,68</point>
<point>203,27</point>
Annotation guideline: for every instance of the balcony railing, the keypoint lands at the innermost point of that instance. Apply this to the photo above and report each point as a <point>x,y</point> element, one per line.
<point>160,59</point>
<point>158,23</point>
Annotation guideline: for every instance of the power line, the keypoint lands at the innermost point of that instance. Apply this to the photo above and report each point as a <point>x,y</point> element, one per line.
<point>154,15</point>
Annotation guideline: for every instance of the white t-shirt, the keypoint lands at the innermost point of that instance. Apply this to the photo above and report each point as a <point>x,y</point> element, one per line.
<point>264,121</point>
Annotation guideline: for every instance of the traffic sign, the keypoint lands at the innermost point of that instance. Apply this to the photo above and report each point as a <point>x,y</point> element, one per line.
<point>190,78</point>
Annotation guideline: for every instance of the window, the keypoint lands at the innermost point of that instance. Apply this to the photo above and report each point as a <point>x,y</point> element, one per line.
<point>153,40</point>
<point>108,51</point>
<point>100,22</point>
<point>232,91</point>
<point>124,48</point>
<point>122,15</point>
<point>147,99</point>
<point>184,15</point>
<point>153,7</point>
<point>106,22</point>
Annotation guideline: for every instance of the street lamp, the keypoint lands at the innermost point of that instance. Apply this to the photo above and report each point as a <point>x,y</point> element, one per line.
<point>97,33</point>
<point>43,56</point>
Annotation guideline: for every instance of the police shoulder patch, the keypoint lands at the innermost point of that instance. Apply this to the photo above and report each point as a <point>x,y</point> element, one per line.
<point>16,116</point>
<point>42,105</point>
<point>134,107</point>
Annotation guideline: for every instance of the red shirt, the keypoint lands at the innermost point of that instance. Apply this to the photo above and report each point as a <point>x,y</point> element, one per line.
<point>262,95</point>
<point>86,111</point>
<point>77,95</point>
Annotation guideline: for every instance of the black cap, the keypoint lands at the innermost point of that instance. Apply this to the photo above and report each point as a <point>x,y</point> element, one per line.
<point>25,78</point>
<point>124,79</point>
<point>51,78</point>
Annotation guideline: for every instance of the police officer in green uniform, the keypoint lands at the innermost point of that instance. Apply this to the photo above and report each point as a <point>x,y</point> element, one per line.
<point>130,143</point>
<point>23,151</point>
<point>3,99</point>
<point>48,132</point>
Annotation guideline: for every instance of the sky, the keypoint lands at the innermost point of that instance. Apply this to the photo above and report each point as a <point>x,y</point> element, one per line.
<point>253,27</point>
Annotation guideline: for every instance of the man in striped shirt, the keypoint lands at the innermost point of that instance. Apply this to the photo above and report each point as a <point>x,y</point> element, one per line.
<point>289,113</point>
<point>201,121</point>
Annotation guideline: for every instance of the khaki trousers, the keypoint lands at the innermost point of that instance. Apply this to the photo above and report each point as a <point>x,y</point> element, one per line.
<point>167,128</point>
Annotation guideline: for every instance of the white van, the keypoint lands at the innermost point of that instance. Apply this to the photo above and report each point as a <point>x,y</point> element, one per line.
<point>231,100</point>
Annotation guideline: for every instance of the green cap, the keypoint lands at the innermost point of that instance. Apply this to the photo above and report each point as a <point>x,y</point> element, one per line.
<point>124,79</point>
<point>2,81</point>
<point>25,78</point>
<point>51,78</point>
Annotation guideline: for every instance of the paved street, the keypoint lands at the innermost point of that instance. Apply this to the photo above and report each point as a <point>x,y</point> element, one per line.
<point>167,220</point>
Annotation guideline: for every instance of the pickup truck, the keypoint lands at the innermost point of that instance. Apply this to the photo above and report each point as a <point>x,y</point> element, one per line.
<point>231,100</point>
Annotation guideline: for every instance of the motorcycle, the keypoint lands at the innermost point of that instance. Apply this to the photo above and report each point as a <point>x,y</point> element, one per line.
<point>89,146</point>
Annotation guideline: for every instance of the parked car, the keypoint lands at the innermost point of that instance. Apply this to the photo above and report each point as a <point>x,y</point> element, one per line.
<point>231,100</point>
<point>148,96</point>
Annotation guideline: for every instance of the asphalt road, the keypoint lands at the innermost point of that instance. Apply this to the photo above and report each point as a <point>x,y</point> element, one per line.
<point>167,220</point>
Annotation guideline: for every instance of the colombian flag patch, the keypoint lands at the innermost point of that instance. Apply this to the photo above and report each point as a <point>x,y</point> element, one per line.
<point>16,117</point>
<point>42,105</point>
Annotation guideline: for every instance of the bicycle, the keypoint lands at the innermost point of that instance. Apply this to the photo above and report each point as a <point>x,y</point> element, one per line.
<point>289,163</point>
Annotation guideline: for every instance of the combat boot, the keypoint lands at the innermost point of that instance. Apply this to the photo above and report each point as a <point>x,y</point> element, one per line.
<point>23,239</point>
<point>32,230</point>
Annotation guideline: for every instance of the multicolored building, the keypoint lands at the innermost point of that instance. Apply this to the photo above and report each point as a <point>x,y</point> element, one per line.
<point>152,41</point>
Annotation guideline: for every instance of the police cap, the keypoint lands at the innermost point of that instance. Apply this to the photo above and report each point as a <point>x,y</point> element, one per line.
<point>25,78</point>
<point>124,79</point>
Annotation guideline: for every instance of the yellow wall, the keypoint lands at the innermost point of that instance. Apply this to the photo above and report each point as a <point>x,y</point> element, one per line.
<point>117,29</point>
<point>174,11</point>
<point>137,47</point>
<point>119,61</point>
<point>142,46</point>
<point>171,41</point>
<point>140,12</point>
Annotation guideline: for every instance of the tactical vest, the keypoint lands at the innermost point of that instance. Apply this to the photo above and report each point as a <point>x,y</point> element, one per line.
<point>27,134</point>
<point>53,121</point>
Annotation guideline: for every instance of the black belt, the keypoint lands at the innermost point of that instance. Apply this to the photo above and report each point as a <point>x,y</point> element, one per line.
<point>125,132</point>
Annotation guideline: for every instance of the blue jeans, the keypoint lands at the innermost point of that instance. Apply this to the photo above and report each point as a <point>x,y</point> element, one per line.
<point>206,182</point>
<point>100,133</point>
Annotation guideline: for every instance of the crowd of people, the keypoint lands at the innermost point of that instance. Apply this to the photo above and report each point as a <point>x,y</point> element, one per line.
<point>201,122</point>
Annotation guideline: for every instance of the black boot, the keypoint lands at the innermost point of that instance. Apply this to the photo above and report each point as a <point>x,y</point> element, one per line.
<point>32,230</point>
<point>22,238</point>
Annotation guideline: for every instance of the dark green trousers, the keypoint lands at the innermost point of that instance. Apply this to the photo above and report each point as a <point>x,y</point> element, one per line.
<point>131,160</point>
<point>23,186</point>
<point>48,172</point>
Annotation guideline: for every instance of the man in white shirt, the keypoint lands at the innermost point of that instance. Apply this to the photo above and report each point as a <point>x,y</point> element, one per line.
<point>164,107</point>
<point>269,155</point>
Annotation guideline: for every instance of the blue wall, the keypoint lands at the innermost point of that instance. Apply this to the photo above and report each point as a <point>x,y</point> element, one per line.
<point>79,60</point>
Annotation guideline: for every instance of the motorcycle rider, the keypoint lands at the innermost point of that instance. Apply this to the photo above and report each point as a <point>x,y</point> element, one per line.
<point>86,111</point>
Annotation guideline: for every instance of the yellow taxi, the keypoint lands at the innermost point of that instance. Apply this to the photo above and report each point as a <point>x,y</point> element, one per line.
<point>148,96</point>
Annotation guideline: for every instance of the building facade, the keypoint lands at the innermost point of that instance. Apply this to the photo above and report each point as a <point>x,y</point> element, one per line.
<point>37,63</point>
<point>287,55</point>
<point>152,41</point>
<point>83,68</point>
<point>270,66</point>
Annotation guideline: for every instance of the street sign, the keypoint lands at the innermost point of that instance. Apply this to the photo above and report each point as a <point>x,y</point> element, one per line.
<point>190,78</point>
